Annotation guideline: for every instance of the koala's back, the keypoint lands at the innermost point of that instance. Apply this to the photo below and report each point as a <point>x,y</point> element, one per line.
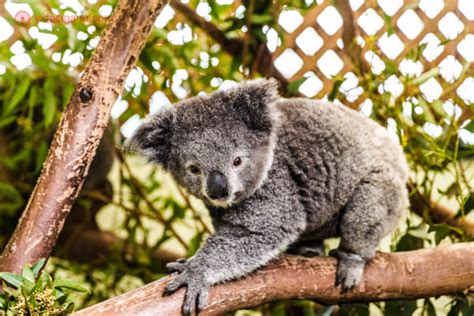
<point>329,149</point>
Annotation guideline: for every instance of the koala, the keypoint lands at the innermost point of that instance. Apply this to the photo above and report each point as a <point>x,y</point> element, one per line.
<point>277,175</point>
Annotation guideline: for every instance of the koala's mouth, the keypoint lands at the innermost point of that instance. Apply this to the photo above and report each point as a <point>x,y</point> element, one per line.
<point>221,202</point>
<point>227,201</point>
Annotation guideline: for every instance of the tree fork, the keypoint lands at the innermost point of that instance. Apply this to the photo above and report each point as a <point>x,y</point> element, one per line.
<point>389,276</point>
<point>79,132</point>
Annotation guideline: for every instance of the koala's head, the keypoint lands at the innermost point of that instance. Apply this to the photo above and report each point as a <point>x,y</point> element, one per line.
<point>220,146</point>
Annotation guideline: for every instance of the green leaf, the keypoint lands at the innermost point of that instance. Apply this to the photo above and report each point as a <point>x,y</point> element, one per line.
<point>12,279</point>
<point>388,21</point>
<point>28,274</point>
<point>68,90</point>
<point>470,126</point>
<point>40,157</point>
<point>430,309</point>
<point>409,242</point>
<point>7,120</point>
<point>47,278</point>
<point>353,310</point>
<point>10,198</point>
<point>295,85</point>
<point>468,205</point>
<point>400,308</point>
<point>441,231</point>
<point>335,88</point>
<point>195,243</point>
<point>36,268</point>
<point>27,287</point>
<point>390,68</point>
<point>61,284</point>
<point>261,19</point>
<point>49,108</point>
<point>58,294</point>
<point>19,94</point>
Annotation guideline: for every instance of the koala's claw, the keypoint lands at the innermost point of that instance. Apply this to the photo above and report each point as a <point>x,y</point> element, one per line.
<point>177,266</point>
<point>196,295</point>
<point>346,279</point>
<point>350,268</point>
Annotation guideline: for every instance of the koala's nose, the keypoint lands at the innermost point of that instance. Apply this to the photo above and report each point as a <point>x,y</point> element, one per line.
<point>217,185</point>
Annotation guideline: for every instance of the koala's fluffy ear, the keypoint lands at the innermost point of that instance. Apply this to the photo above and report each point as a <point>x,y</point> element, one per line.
<point>153,138</point>
<point>253,98</point>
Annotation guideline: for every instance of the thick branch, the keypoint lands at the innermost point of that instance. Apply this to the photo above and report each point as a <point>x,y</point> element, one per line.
<point>404,275</point>
<point>79,133</point>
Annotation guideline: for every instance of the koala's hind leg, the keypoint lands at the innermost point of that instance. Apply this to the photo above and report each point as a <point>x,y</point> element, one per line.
<point>371,213</point>
<point>306,248</point>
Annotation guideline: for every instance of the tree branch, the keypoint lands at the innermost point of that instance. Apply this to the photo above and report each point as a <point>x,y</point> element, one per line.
<point>233,46</point>
<point>351,48</point>
<point>405,275</point>
<point>437,213</point>
<point>79,133</point>
<point>95,247</point>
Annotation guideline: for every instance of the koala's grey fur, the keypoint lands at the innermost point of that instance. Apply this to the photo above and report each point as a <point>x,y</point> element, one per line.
<point>309,171</point>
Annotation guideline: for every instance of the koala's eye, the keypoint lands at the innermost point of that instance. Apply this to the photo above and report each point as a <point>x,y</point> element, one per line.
<point>237,161</point>
<point>194,169</point>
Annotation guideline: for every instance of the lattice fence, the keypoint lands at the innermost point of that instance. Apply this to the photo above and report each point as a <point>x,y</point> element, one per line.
<point>313,47</point>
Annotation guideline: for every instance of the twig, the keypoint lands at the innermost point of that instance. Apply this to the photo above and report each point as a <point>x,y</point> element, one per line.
<point>194,211</point>
<point>138,188</point>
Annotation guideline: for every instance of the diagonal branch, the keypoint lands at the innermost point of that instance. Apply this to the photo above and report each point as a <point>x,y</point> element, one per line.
<point>438,213</point>
<point>405,275</point>
<point>79,133</point>
<point>234,46</point>
<point>351,48</point>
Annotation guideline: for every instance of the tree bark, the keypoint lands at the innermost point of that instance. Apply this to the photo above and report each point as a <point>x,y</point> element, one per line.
<point>79,133</point>
<point>405,275</point>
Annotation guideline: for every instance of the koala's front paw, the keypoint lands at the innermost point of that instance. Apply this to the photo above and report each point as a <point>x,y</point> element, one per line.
<point>197,290</point>
<point>350,268</point>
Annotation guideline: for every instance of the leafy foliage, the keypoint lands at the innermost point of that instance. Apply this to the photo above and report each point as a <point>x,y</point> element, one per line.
<point>34,292</point>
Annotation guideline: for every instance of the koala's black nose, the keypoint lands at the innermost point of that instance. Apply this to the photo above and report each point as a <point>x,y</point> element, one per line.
<point>217,185</point>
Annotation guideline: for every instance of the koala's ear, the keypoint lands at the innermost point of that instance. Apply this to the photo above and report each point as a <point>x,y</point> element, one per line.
<point>153,138</point>
<point>253,98</point>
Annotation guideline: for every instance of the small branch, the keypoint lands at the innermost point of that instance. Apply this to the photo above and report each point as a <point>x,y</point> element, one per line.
<point>405,275</point>
<point>185,196</point>
<point>351,48</point>
<point>139,190</point>
<point>438,213</point>
<point>234,46</point>
<point>79,132</point>
<point>96,247</point>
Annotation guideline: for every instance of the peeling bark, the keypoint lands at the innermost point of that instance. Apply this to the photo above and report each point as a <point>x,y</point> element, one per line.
<point>79,133</point>
<point>404,275</point>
